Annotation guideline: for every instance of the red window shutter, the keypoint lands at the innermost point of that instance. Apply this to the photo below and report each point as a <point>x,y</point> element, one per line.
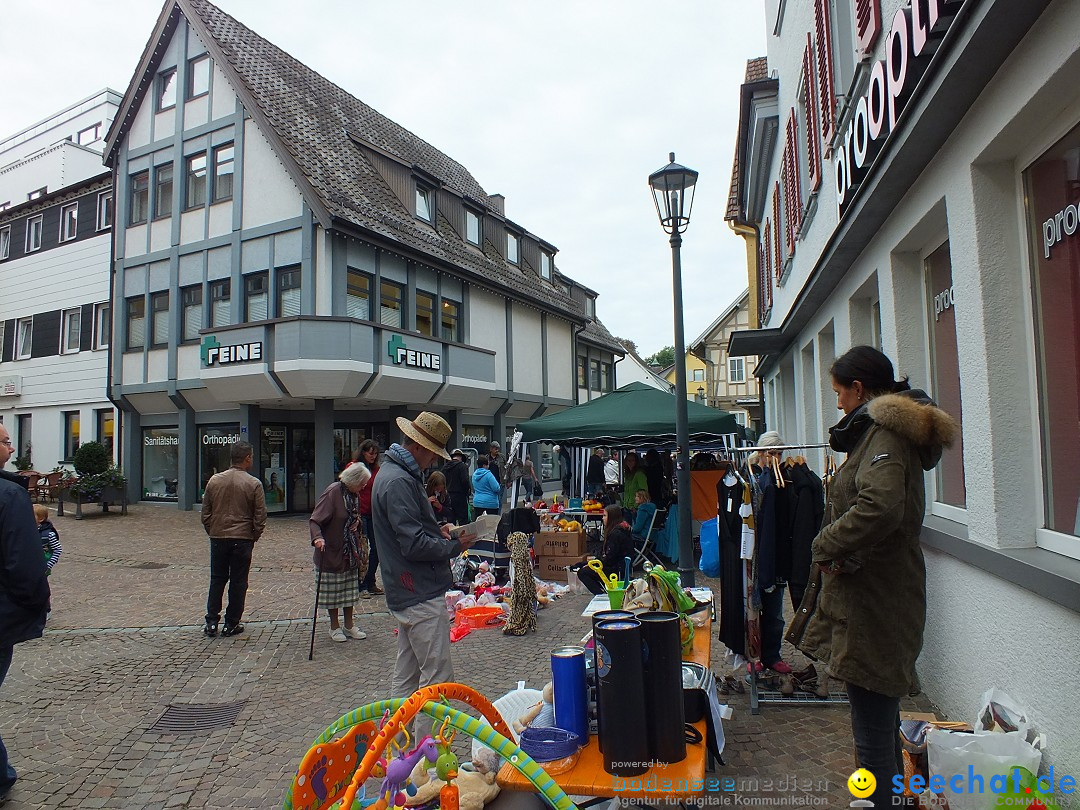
<point>765,276</point>
<point>826,96</point>
<point>867,23</point>
<point>796,177</point>
<point>778,256</point>
<point>785,184</point>
<point>813,131</point>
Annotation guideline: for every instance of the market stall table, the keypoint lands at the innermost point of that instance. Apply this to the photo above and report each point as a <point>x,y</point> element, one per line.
<point>588,777</point>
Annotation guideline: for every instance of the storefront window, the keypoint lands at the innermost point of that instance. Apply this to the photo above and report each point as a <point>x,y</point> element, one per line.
<point>105,428</point>
<point>945,372</point>
<point>161,461</point>
<point>550,463</point>
<point>1053,196</point>
<point>214,446</point>
<point>346,442</point>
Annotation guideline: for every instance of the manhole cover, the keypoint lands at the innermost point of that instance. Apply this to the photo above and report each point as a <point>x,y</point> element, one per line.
<point>191,719</point>
<point>150,565</point>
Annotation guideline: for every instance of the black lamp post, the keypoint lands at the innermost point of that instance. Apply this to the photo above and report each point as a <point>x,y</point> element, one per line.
<point>673,192</point>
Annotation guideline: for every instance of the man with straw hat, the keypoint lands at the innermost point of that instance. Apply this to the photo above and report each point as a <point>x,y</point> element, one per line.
<point>415,554</point>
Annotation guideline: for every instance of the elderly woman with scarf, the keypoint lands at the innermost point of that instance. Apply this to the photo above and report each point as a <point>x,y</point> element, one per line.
<point>341,549</point>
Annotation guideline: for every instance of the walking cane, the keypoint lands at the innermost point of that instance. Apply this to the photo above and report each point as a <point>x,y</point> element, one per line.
<point>315,615</point>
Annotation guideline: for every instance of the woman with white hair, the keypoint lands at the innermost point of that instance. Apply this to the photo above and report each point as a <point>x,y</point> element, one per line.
<point>341,550</point>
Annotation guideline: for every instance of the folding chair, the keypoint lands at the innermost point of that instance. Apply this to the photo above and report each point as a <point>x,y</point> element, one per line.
<point>646,553</point>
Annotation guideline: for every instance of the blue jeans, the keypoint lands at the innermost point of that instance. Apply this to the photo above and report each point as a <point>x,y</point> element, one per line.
<point>373,554</point>
<point>7,773</point>
<point>230,563</point>
<point>875,724</point>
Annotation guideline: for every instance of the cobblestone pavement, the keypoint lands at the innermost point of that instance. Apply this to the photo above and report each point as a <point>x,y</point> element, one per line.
<point>124,642</point>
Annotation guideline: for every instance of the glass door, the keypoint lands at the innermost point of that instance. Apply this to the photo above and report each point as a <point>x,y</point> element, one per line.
<point>273,469</point>
<point>302,469</point>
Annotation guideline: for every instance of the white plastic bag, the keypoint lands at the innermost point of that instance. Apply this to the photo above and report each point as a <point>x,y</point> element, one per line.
<point>987,754</point>
<point>1000,713</point>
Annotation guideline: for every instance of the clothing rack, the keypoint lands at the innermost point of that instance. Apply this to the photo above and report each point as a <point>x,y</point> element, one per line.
<point>759,696</point>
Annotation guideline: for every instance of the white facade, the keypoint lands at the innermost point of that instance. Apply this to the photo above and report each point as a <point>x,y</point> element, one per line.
<point>632,369</point>
<point>937,259</point>
<point>54,258</point>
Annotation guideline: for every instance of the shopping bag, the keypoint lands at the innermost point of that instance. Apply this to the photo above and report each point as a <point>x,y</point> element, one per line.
<point>987,755</point>
<point>710,549</point>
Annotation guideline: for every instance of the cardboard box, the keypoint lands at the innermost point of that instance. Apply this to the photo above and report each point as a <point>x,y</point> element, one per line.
<point>553,569</point>
<point>559,544</point>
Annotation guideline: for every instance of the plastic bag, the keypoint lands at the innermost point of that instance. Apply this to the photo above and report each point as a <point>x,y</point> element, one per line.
<point>1001,713</point>
<point>574,584</point>
<point>988,754</point>
<point>710,549</point>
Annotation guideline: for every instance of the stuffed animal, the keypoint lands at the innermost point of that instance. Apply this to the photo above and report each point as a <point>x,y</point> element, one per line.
<point>540,715</point>
<point>522,589</point>
<point>475,789</point>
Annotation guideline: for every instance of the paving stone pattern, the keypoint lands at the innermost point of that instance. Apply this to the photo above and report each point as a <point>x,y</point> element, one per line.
<point>124,642</point>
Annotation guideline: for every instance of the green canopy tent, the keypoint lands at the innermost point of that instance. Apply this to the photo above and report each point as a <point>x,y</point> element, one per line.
<point>636,415</point>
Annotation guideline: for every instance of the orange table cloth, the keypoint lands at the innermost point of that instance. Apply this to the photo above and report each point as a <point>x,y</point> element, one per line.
<point>588,777</point>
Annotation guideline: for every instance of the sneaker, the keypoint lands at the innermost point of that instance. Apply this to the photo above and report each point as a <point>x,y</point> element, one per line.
<point>365,594</point>
<point>210,630</point>
<point>355,632</point>
<point>337,634</point>
<point>232,630</point>
<point>783,667</point>
<point>375,590</point>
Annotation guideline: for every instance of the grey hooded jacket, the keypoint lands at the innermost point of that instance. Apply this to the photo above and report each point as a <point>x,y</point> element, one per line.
<point>413,554</point>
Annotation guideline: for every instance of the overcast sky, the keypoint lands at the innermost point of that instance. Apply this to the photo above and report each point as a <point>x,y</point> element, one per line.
<point>563,106</point>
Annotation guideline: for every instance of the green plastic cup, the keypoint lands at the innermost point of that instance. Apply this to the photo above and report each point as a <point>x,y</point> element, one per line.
<point>615,597</point>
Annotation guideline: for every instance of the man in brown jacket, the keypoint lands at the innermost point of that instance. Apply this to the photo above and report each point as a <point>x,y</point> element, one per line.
<point>234,515</point>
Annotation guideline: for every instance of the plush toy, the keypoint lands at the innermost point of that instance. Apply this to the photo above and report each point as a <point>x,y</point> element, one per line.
<point>475,789</point>
<point>542,596</point>
<point>522,589</point>
<point>539,715</point>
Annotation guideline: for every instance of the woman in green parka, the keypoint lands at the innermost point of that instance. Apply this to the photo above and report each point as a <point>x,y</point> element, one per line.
<point>865,607</point>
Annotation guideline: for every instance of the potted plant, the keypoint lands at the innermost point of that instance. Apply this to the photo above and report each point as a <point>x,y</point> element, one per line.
<point>24,462</point>
<point>98,481</point>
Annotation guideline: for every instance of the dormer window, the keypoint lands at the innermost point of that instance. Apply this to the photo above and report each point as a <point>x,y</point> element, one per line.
<point>166,89</point>
<point>472,227</point>
<point>513,247</point>
<point>425,203</point>
<point>546,261</point>
<point>590,307</point>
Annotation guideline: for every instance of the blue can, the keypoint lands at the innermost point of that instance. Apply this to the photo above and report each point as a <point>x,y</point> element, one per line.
<point>571,695</point>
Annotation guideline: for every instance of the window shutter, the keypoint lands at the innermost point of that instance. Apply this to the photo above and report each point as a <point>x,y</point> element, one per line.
<point>785,185</point>
<point>766,280</point>
<point>867,23</point>
<point>826,96</point>
<point>795,175</point>
<point>778,256</point>
<point>813,131</point>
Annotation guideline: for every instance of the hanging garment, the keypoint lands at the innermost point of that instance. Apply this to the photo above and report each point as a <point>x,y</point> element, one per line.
<point>753,626</point>
<point>729,496</point>
<point>806,512</point>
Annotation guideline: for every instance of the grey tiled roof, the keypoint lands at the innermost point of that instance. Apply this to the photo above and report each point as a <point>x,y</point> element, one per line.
<point>598,335</point>
<point>757,69</point>
<point>314,118</point>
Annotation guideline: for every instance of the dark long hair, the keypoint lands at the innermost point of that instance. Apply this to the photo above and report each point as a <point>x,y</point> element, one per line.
<point>614,514</point>
<point>366,445</point>
<point>870,367</point>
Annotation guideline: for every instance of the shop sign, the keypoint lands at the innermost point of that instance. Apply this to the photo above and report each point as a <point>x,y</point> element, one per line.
<point>942,301</point>
<point>10,386</point>
<point>915,35</point>
<point>1063,223</point>
<point>404,356</point>
<point>160,441</point>
<point>214,354</point>
<point>210,438</point>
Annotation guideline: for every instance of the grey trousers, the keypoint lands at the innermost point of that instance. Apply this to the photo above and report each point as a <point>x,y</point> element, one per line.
<point>423,652</point>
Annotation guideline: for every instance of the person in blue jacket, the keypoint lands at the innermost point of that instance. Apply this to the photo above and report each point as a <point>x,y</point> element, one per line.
<point>24,587</point>
<point>487,494</point>
<point>643,518</point>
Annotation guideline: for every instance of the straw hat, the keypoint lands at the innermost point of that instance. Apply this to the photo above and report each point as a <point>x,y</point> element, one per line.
<point>429,430</point>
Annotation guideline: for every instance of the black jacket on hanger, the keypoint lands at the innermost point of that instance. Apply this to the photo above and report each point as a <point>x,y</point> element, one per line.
<point>729,498</point>
<point>806,510</point>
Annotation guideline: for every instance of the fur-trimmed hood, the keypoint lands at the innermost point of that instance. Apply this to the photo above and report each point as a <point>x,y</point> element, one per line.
<point>911,414</point>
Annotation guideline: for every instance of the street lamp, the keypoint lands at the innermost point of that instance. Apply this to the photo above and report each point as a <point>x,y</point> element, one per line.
<point>701,393</point>
<point>673,192</point>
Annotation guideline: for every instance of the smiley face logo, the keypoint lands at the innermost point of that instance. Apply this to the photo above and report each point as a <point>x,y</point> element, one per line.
<point>861,783</point>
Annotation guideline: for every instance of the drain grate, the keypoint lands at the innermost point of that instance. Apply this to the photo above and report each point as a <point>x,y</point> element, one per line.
<point>150,565</point>
<point>184,718</point>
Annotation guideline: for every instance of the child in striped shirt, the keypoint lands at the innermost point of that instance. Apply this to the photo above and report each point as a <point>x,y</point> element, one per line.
<point>50,538</point>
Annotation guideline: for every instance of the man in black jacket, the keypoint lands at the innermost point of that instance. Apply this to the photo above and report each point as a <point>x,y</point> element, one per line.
<point>457,475</point>
<point>24,588</point>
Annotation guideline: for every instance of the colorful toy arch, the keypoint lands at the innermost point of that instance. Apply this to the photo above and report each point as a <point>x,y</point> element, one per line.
<point>329,771</point>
